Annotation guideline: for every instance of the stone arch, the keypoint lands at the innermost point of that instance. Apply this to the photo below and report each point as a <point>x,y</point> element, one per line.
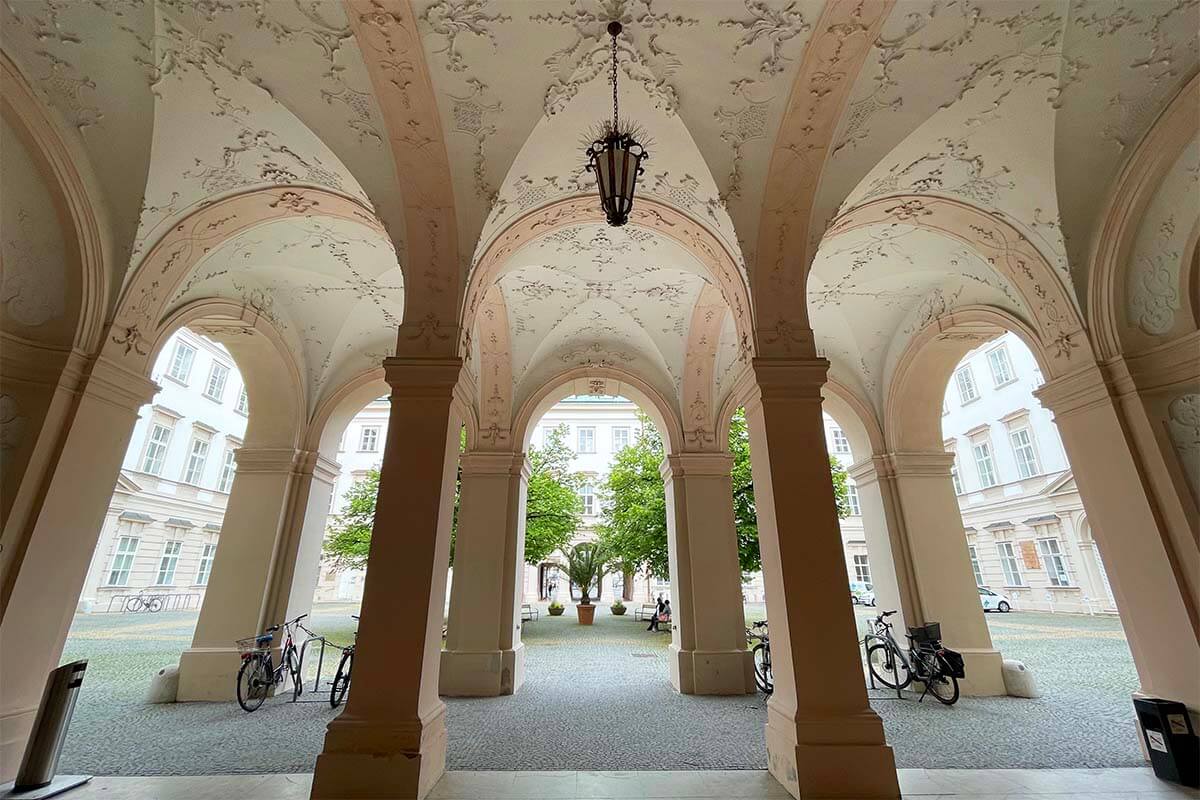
<point>1135,188</point>
<point>648,214</point>
<point>1059,334</point>
<point>168,262</point>
<point>912,412</point>
<point>599,380</point>
<point>271,375</point>
<point>855,417</point>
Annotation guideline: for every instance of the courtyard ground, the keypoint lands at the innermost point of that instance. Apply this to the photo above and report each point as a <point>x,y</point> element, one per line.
<point>598,698</point>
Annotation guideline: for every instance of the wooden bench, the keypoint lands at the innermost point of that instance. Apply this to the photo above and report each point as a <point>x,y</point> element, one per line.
<point>528,613</point>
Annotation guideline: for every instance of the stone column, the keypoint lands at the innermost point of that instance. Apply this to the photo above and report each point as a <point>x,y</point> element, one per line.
<point>891,561</point>
<point>484,656</point>
<point>928,536</point>
<point>252,549</point>
<point>60,541</point>
<point>708,634</point>
<point>1147,558</point>
<point>823,738</point>
<point>390,740</point>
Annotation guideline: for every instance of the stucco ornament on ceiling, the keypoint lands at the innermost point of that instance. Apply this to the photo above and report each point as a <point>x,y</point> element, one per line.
<point>1184,426</point>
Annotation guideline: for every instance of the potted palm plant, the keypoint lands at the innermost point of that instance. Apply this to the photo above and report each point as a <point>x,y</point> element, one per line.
<point>585,566</point>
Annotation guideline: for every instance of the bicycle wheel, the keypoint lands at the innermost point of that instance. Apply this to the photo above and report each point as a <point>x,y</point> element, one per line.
<point>944,688</point>
<point>762,668</point>
<point>881,659</point>
<point>293,669</point>
<point>341,679</point>
<point>154,604</point>
<point>133,605</point>
<point>253,683</point>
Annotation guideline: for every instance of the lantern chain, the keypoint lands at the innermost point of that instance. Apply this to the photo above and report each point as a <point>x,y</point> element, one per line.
<point>614,82</point>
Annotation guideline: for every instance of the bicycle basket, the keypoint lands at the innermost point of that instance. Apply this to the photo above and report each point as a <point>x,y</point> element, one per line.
<point>954,664</point>
<point>928,633</point>
<point>254,644</point>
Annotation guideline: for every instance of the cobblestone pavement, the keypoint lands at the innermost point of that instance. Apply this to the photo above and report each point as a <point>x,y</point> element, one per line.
<point>598,698</point>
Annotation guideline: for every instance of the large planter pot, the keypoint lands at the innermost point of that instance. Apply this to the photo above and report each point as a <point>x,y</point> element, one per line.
<point>586,613</point>
<point>617,610</point>
<point>556,611</point>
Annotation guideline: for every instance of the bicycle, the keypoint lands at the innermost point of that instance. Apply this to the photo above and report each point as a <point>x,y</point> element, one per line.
<point>926,662</point>
<point>144,601</point>
<point>341,678</point>
<point>762,656</point>
<point>258,673</point>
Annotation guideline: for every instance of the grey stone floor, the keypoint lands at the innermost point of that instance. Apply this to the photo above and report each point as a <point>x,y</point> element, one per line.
<point>598,698</point>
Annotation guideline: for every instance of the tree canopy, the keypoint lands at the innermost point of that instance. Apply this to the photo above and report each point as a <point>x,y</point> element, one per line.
<point>553,509</point>
<point>634,530</point>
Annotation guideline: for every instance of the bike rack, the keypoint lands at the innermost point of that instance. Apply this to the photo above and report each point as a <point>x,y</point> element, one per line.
<point>320,660</point>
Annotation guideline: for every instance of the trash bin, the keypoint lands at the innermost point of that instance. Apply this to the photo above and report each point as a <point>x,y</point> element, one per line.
<point>1172,744</point>
<point>50,731</point>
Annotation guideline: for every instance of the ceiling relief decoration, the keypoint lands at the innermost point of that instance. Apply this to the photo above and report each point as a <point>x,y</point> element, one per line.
<point>1184,429</point>
<point>700,404</point>
<point>1155,281</point>
<point>495,379</point>
<point>832,59</point>
<point>387,33</point>
<point>33,285</point>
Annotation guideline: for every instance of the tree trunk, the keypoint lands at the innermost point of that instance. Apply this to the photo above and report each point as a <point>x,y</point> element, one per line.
<point>627,586</point>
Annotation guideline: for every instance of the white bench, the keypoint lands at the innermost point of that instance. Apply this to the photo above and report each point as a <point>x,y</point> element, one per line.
<point>528,613</point>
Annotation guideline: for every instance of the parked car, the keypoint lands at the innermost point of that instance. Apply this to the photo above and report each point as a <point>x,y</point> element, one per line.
<point>859,590</point>
<point>994,601</point>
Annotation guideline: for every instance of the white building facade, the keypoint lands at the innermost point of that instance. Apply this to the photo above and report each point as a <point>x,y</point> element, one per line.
<point>162,527</point>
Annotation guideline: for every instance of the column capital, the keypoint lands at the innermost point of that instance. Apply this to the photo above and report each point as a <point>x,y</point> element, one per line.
<point>487,462</point>
<point>311,462</point>
<point>867,471</point>
<point>1076,391</point>
<point>912,464</point>
<point>125,388</point>
<point>692,464</point>
<point>422,377</point>
<point>269,459</point>
<point>790,377</point>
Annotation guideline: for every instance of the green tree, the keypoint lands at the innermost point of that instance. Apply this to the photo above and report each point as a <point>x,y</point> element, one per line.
<point>349,537</point>
<point>635,526</point>
<point>553,510</point>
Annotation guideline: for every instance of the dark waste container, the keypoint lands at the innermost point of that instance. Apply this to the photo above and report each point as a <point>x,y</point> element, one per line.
<point>1170,740</point>
<point>50,727</point>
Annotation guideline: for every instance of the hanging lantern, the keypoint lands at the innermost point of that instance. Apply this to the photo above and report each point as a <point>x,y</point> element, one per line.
<point>616,156</point>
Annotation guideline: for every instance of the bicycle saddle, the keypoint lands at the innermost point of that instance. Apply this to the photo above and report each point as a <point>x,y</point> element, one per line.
<point>263,639</point>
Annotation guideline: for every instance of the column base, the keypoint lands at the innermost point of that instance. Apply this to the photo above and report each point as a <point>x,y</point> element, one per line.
<point>719,672</point>
<point>363,761</point>
<point>985,674</point>
<point>844,757</point>
<point>487,673</point>
<point>209,674</point>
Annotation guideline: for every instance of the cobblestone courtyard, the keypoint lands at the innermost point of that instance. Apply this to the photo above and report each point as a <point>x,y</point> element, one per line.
<point>598,698</point>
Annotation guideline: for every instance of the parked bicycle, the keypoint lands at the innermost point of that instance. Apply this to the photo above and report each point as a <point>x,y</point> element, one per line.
<point>144,601</point>
<point>762,656</point>
<point>259,674</point>
<point>341,679</point>
<point>926,660</point>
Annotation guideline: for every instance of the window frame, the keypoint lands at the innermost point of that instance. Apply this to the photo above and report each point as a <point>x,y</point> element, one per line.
<point>955,475</point>
<point>127,565</point>
<point>862,569</point>
<point>992,472</point>
<point>580,430</point>
<point>841,445</point>
<point>243,402</point>
<point>1011,376</point>
<point>1022,465</point>
<point>189,462</point>
<point>181,347</point>
<point>168,557</point>
<point>853,504</point>
<point>228,470</point>
<point>1007,554</point>
<point>628,433</point>
<point>1058,557</point>
<point>966,370</point>
<point>587,497</point>
<point>976,569</point>
<point>214,369</point>
<point>149,467</point>
<point>374,431</point>
<point>208,554</point>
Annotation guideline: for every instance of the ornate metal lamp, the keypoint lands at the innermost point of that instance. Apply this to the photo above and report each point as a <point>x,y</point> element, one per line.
<point>616,156</point>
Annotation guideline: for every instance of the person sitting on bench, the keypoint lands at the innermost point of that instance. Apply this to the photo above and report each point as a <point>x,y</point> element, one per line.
<point>661,614</point>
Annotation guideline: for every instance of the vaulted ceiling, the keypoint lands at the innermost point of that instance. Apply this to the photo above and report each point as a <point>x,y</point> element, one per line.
<point>1024,110</point>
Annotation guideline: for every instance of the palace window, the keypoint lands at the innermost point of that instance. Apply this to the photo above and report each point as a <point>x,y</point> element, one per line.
<point>168,562</point>
<point>228,470</point>
<point>1054,561</point>
<point>954,476</point>
<point>840,443</point>
<point>1023,452</point>
<point>206,563</point>
<point>983,463</point>
<point>588,496</point>
<point>967,390</point>
<point>217,376</point>
<point>1010,564</point>
<point>243,403</point>
<point>620,438</point>
<point>586,439</point>
<point>156,448</point>
<point>368,439</point>
<point>975,565</point>
<point>197,458</point>
<point>1002,371</point>
<point>122,563</point>
<point>181,362</point>
<point>862,569</point>
<point>852,500</point>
